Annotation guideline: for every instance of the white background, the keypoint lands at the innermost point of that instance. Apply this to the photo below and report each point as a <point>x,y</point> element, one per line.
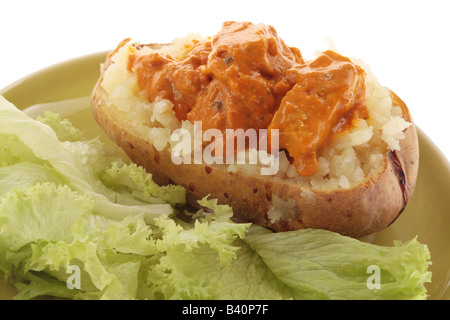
<point>406,43</point>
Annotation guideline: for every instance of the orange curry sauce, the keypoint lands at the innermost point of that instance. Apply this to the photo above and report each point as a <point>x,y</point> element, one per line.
<point>247,77</point>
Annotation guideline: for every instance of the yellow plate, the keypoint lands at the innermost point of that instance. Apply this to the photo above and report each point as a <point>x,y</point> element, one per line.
<point>427,215</point>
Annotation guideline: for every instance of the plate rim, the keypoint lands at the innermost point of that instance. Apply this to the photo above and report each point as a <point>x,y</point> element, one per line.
<point>51,67</point>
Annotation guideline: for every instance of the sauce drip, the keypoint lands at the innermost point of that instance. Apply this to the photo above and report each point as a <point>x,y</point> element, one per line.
<point>247,77</point>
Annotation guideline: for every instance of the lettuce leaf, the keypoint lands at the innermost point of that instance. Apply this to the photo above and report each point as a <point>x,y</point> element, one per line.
<point>136,181</point>
<point>76,223</point>
<point>304,264</point>
<point>63,128</point>
<point>79,163</point>
<point>320,264</point>
<point>30,214</point>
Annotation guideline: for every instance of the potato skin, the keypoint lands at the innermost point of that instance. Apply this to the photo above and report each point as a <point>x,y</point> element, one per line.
<point>356,212</point>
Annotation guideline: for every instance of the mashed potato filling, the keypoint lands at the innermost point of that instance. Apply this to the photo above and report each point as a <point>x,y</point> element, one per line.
<point>340,162</point>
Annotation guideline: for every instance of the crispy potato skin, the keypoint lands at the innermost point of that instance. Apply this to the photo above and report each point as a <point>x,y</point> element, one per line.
<point>364,209</point>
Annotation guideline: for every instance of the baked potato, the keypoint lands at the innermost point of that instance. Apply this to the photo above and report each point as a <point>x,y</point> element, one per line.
<point>364,178</point>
